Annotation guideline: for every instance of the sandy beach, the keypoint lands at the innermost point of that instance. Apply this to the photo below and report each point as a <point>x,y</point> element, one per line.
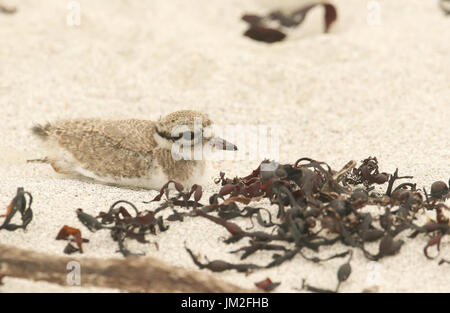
<point>361,90</point>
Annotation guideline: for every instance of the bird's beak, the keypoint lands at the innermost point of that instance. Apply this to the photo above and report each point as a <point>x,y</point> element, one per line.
<point>222,144</point>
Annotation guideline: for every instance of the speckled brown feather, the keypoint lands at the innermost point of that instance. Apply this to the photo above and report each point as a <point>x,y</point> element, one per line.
<point>115,148</point>
<point>184,117</point>
<point>177,170</point>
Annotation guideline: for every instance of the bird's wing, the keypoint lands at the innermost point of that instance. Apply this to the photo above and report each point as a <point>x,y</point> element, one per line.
<point>116,148</point>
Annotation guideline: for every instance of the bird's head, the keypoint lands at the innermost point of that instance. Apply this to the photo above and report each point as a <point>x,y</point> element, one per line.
<point>188,128</point>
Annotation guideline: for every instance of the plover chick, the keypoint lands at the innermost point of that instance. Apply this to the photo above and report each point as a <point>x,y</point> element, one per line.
<point>137,153</point>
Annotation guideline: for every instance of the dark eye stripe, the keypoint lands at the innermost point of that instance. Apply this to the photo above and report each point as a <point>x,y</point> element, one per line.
<point>186,135</point>
<point>167,136</point>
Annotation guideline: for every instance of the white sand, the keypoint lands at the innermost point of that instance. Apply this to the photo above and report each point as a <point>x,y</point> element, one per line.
<point>360,91</point>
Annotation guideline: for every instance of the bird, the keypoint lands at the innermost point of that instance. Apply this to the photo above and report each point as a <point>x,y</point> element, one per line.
<point>132,152</point>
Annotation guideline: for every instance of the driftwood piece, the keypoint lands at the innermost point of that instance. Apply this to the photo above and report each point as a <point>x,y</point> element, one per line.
<point>133,274</point>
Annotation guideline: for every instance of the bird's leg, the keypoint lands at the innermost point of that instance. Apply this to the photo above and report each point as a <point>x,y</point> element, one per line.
<point>54,164</point>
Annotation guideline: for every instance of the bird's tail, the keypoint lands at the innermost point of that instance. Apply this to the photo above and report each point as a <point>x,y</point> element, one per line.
<point>41,131</point>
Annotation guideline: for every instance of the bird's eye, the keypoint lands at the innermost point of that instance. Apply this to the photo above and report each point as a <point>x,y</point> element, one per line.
<point>188,135</point>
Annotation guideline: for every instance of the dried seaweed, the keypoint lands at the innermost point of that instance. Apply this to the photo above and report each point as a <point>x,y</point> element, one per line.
<point>315,207</point>
<point>343,273</point>
<point>267,285</point>
<point>125,225</point>
<point>71,234</point>
<point>266,34</point>
<point>20,205</point>
<point>260,31</point>
<point>119,222</point>
<point>220,266</point>
<point>309,194</point>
